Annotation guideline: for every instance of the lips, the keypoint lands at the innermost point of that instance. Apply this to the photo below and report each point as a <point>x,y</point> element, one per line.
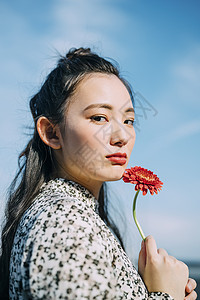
<point>117,158</point>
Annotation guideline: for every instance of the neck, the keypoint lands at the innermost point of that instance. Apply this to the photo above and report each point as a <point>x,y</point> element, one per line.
<point>94,188</point>
<point>92,185</point>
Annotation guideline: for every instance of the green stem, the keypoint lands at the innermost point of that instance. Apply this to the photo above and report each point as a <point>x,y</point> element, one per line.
<point>134,216</point>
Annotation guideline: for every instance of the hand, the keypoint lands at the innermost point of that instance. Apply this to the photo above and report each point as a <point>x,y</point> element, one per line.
<point>161,272</point>
<point>189,290</point>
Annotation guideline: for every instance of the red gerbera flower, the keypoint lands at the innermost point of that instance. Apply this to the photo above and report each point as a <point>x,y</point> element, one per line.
<point>143,179</point>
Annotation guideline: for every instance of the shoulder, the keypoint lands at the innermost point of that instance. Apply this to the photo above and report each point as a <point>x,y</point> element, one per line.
<point>55,218</point>
<point>65,215</point>
<point>60,203</point>
<point>63,205</point>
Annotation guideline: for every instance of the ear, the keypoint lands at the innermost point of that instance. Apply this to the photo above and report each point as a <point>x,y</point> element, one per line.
<point>49,133</point>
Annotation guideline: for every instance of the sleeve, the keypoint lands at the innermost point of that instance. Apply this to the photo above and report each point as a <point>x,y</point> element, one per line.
<point>68,259</point>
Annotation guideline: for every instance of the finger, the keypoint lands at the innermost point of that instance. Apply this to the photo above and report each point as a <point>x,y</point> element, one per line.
<point>191,285</point>
<point>142,259</point>
<point>151,247</point>
<point>162,252</point>
<point>191,296</point>
<point>173,258</point>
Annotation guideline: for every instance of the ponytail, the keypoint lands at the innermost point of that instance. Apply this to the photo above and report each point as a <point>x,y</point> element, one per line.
<point>34,170</point>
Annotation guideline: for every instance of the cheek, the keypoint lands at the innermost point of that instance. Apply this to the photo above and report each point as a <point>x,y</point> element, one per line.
<point>131,142</point>
<point>132,138</point>
<point>77,139</point>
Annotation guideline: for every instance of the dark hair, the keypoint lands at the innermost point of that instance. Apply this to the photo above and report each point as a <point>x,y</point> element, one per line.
<point>36,162</point>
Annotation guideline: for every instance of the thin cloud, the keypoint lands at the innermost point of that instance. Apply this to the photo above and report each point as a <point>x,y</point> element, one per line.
<point>184,131</point>
<point>186,73</point>
<point>170,230</point>
<point>89,23</point>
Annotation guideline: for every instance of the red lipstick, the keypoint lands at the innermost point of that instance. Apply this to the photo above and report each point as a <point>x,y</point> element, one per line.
<point>117,158</point>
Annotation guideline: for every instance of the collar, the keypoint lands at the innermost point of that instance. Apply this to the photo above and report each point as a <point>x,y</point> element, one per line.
<point>72,189</point>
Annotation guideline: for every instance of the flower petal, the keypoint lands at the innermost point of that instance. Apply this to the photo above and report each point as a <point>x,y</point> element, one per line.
<point>143,179</point>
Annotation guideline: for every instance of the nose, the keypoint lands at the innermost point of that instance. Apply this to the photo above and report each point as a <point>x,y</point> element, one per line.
<point>119,136</point>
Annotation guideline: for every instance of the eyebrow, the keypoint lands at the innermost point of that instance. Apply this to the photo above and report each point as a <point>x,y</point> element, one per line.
<point>107,106</point>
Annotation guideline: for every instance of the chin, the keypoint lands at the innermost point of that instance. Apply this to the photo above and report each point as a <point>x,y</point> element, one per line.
<point>116,173</point>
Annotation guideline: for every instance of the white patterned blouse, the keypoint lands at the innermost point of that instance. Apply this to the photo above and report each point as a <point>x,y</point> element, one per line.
<point>63,250</point>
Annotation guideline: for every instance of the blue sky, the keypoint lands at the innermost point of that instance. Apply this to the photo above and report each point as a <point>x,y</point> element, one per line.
<point>157,44</point>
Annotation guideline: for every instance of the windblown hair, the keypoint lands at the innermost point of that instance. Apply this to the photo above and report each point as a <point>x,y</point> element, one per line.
<point>35,161</point>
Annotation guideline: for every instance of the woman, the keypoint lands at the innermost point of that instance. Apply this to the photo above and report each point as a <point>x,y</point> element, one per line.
<point>56,243</point>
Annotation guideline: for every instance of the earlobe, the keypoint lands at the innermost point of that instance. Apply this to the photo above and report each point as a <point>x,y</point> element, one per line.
<point>49,133</point>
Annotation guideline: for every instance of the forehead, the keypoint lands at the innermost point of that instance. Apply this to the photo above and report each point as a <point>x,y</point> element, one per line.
<point>97,88</point>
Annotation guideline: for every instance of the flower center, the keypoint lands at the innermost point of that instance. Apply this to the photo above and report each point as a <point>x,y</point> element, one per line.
<point>144,175</point>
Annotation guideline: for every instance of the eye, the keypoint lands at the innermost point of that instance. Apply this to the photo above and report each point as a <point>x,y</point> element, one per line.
<point>129,122</point>
<point>98,118</point>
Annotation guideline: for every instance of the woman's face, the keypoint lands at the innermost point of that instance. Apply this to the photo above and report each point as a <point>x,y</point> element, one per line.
<point>98,134</point>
